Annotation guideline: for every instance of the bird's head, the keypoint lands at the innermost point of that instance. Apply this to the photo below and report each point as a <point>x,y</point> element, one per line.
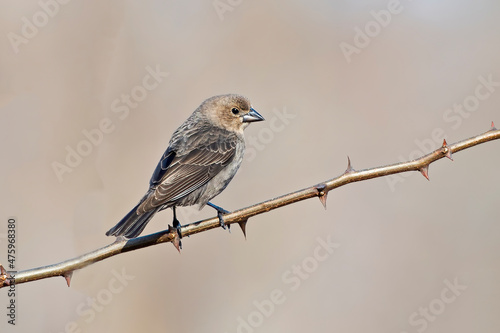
<point>231,112</point>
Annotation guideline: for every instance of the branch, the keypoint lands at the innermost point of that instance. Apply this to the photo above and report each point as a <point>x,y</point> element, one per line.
<point>241,216</point>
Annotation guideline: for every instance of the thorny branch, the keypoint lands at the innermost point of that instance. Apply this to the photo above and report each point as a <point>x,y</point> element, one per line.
<point>241,216</point>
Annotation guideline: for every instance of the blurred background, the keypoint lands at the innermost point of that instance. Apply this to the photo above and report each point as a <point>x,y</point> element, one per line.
<point>91,91</point>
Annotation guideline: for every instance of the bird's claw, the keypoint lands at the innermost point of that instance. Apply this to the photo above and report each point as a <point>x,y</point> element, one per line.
<point>221,220</point>
<point>220,211</point>
<point>177,226</point>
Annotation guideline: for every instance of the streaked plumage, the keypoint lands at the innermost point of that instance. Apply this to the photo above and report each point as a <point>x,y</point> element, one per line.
<point>203,156</point>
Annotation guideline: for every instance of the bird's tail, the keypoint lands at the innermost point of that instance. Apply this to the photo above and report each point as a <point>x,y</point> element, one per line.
<point>132,224</point>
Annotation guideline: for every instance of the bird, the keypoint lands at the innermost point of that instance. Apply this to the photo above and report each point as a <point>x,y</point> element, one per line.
<point>202,157</point>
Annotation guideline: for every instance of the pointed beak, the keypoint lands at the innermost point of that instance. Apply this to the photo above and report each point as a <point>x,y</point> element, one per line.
<point>252,116</point>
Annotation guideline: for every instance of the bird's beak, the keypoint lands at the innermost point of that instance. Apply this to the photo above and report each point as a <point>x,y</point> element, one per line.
<point>252,116</point>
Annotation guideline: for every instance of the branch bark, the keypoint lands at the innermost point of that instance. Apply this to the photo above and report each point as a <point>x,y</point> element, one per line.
<point>66,268</point>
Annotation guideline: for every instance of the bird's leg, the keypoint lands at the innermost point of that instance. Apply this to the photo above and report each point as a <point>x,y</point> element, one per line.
<point>220,211</point>
<point>176,242</point>
<point>176,223</point>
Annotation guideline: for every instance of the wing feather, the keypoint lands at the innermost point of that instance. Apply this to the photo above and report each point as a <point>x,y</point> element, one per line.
<point>183,171</point>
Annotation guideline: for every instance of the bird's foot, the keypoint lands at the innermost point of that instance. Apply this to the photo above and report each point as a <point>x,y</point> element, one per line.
<point>177,226</point>
<point>177,240</point>
<point>221,220</point>
<point>220,211</point>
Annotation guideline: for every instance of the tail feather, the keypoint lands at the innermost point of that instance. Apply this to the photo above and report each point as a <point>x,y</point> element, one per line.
<point>132,224</point>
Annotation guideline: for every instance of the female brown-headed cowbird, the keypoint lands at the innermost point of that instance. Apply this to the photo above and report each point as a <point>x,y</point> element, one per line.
<point>203,156</point>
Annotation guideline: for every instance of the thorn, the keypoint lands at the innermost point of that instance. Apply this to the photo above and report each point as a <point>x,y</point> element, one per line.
<point>120,239</point>
<point>243,226</point>
<point>177,243</point>
<point>177,239</point>
<point>67,276</point>
<point>448,154</point>
<point>349,166</point>
<point>425,171</point>
<point>493,126</point>
<point>3,276</point>
<point>323,199</point>
<point>322,194</point>
<point>447,150</point>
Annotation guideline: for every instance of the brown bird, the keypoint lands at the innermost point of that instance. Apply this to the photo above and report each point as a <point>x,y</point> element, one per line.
<point>203,156</point>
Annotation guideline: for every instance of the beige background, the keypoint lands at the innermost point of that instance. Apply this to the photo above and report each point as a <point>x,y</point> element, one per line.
<point>397,244</point>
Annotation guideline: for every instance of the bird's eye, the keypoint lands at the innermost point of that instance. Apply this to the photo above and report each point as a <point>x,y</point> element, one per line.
<point>235,111</point>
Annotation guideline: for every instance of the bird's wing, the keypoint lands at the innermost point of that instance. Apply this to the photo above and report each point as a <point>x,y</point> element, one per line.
<point>181,172</point>
<point>162,167</point>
